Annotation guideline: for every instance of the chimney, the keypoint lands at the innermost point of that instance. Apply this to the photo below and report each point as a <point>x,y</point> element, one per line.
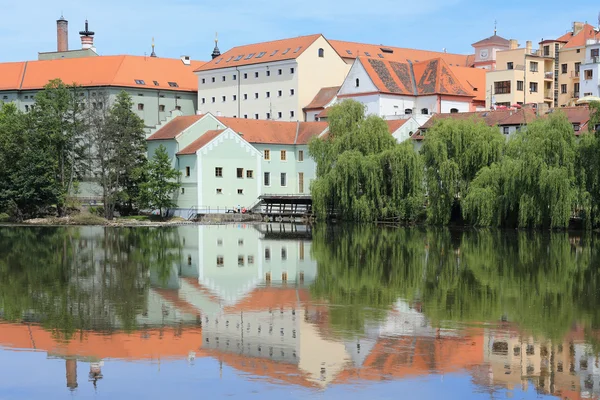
<point>62,34</point>
<point>528,46</point>
<point>87,38</point>
<point>513,44</point>
<point>577,27</point>
<point>71,366</point>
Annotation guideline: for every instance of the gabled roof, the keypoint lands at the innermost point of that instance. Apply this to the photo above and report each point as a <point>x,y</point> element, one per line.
<point>174,127</point>
<point>490,118</point>
<point>353,50</point>
<point>200,142</point>
<point>579,39</point>
<point>323,98</point>
<point>520,117</point>
<point>495,39</point>
<point>257,53</point>
<point>119,71</point>
<point>395,124</point>
<point>472,79</point>
<point>424,78</point>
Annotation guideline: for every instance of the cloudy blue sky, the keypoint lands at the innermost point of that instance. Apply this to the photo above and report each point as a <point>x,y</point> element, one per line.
<point>188,26</point>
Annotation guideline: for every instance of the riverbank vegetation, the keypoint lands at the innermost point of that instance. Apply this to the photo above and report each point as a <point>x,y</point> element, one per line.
<point>542,176</point>
<point>63,140</point>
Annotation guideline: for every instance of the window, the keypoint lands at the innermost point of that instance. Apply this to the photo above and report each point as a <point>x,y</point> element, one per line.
<point>453,110</point>
<point>286,51</point>
<point>182,190</point>
<point>267,179</point>
<point>321,53</point>
<point>520,86</point>
<point>255,116</point>
<point>203,80</point>
<point>279,115</point>
<point>273,53</point>
<point>223,78</point>
<point>268,115</point>
<point>577,68</point>
<point>256,74</point>
<point>240,191</point>
<point>291,114</point>
<point>533,66</point>
<point>283,179</point>
<point>139,82</point>
<point>279,71</point>
<point>546,51</point>
<point>224,98</point>
<point>533,87</point>
<point>576,127</point>
<point>240,172</point>
<point>510,65</point>
<point>292,91</point>
<point>250,174</point>
<point>283,253</point>
<point>357,83</point>
<point>268,94</point>
<point>424,111</point>
<point>267,154</point>
<point>238,58</point>
<point>267,253</point>
<point>240,261</point>
<point>408,111</point>
<point>249,56</point>
<point>250,259</point>
<point>283,155</point>
<point>220,261</point>
<point>588,74</point>
<point>505,130</point>
<point>141,106</point>
<point>300,155</point>
<point>234,77</point>
<point>219,191</point>
<point>234,97</point>
<point>214,99</point>
<point>261,54</point>
<point>256,95</point>
<point>187,171</point>
<point>563,88</point>
<point>213,79</point>
<point>291,70</point>
<point>161,108</point>
<point>219,172</point>
<point>268,73</point>
<point>300,182</point>
<point>502,87</point>
<point>563,68</point>
<point>594,53</point>
<point>26,107</point>
<point>245,96</point>
<point>280,93</point>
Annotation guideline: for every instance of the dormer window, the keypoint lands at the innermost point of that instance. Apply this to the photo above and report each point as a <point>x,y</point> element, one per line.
<point>140,82</point>
<point>173,84</point>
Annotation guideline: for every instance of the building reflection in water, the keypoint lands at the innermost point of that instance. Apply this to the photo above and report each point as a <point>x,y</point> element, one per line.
<point>241,295</point>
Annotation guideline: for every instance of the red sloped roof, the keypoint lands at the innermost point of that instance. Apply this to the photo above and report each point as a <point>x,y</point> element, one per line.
<point>257,53</point>
<point>200,142</point>
<point>435,77</point>
<point>395,124</point>
<point>323,97</point>
<point>307,130</point>
<point>578,40</point>
<point>173,128</point>
<point>11,75</point>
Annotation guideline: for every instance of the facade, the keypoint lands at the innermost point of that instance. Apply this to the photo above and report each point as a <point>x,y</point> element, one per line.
<point>228,163</point>
<point>271,80</point>
<point>590,70</point>
<point>486,49</point>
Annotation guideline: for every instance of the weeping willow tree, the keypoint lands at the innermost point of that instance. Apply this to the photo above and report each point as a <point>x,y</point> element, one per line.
<point>534,185</point>
<point>453,152</point>
<point>588,168</point>
<point>362,173</point>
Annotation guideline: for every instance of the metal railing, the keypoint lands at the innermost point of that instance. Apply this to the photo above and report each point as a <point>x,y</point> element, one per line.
<point>549,75</point>
<point>574,74</point>
<point>593,60</point>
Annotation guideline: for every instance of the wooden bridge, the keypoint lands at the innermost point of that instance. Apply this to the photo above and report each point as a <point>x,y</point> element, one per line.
<point>284,207</point>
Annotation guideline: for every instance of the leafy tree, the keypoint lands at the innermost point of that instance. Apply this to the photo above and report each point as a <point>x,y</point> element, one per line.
<point>120,145</point>
<point>534,185</point>
<point>362,173</point>
<point>157,192</point>
<point>453,152</point>
<point>588,169</point>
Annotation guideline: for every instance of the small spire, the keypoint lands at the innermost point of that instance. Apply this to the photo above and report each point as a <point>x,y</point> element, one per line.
<point>495,27</point>
<point>216,52</point>
<point>153,54</point>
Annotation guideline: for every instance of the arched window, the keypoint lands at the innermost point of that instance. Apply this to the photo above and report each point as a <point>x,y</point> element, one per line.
<point>357,82</point>
<point>408,111</point>
<point>424,111</point>
<point>321,53</point>
<point>453,110</point>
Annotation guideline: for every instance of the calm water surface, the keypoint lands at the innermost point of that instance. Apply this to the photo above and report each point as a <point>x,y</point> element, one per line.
<point>267,311</point>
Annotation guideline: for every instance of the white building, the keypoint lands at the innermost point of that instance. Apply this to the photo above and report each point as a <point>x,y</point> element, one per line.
<point>590,70</point>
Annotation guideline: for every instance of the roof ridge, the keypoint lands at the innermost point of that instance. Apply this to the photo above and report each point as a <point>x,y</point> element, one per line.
<point>275,41</point>
<point>23,75</point>
<point>118,69</point>
<point>396,47</point>
<point>413,78</point>
<point>297,130</point>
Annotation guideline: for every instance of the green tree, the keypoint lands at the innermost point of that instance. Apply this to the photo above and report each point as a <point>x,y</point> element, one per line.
<point>121,147</point>
<point>157,192</point>
<point>453,152</point>
<point>534,185</point>
<point>362,173</point>
<point>588,169</point>
<point>58,122</point>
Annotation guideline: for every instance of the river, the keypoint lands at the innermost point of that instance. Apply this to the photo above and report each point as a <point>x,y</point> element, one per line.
<point>273,310</point>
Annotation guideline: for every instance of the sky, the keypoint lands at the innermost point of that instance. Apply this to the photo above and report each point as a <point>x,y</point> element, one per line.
<point>187,27</point>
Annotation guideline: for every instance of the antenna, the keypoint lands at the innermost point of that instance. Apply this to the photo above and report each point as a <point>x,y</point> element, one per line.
<point>495,27</point>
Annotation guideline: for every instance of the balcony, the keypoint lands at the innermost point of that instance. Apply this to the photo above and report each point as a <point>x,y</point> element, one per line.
<point>549,76</point>
<point>593,60</point>
<point>548,94</point>
<point>574,95</point>
<point>575,74</point>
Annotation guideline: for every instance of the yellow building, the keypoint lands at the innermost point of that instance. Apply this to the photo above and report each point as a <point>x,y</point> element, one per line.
<point>548,75</point>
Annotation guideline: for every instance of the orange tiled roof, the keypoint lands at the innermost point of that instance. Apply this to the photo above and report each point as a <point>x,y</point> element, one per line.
<point>200,142</point>
<point>307,130</point>
<point>490,118</point>
<point>324,113</point>
<point>174,127</point>
<point>395,124</point>
<point>146,344</point>
<point>578,40</point>
<point>472,79</point>
<point>323,97</point>
<point>119,71</point>
<point>520,117</point>
<point>353,50</point>
<point>274,132</point>
<point>257,53</point>
<point>264,298</point>
<point>430,77</point>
